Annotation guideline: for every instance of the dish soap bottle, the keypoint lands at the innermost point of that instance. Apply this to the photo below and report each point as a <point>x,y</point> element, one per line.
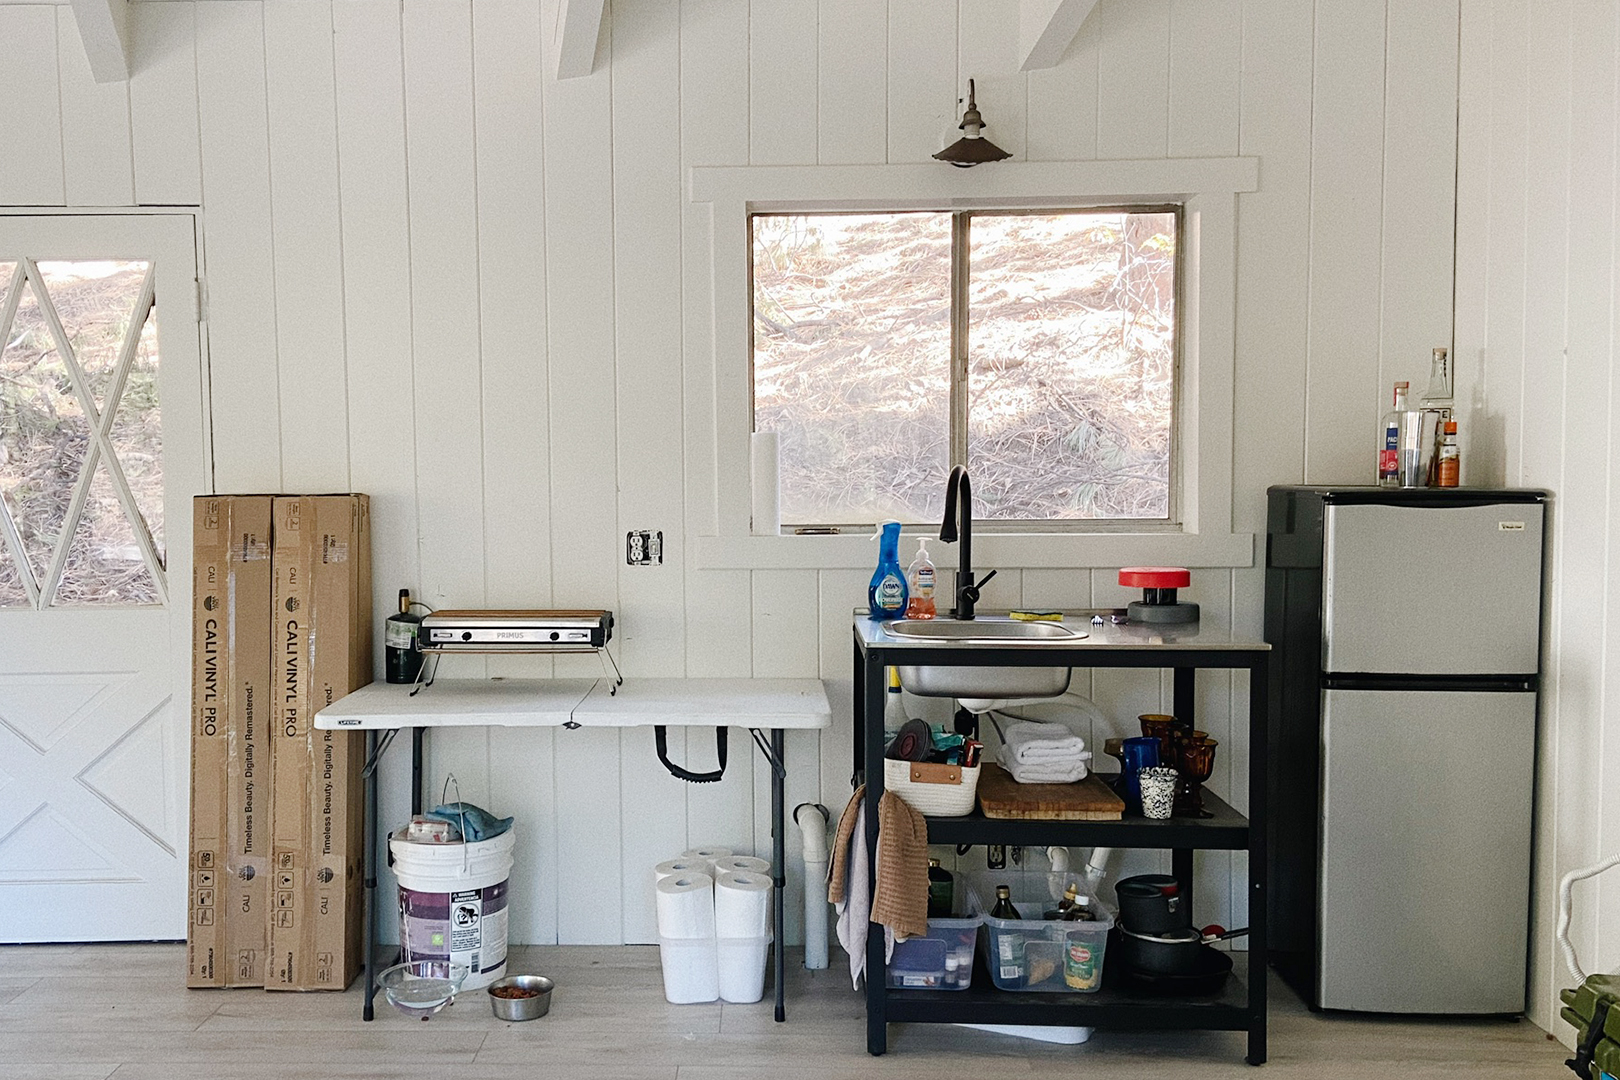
<point>887,594</point>
<point>920,582</point>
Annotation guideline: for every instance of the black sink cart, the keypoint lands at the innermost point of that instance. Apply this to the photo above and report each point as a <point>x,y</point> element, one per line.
<point>1241,1004</point>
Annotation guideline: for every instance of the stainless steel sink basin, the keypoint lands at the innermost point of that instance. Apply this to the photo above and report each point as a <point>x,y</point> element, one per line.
<point>979,631</point>
<point>982,682</point>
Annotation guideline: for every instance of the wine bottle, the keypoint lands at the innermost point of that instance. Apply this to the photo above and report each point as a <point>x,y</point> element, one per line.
<point>941,891</point>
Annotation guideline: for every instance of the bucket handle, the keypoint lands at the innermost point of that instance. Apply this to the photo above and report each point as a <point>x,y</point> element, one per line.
<point>461,809</point>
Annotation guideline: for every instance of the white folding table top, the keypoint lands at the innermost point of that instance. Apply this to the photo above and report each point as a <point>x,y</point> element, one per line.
<point>761,703</point>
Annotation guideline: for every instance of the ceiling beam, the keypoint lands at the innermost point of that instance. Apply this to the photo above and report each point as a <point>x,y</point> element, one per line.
<point>1045,29</point>
<point>104,30</point>
<point>579,26</point>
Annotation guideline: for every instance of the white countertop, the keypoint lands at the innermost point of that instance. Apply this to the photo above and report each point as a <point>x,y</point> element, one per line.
<point>756,703</point>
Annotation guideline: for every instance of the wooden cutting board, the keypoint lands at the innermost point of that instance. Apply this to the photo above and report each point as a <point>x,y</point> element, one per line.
<point>1000,796</point>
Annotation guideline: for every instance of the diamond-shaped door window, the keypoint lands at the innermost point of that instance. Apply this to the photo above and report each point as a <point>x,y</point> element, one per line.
<point>81,434</point>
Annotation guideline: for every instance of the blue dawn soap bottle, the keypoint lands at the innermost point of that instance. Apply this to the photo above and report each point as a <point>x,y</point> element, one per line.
<point>886,596</point>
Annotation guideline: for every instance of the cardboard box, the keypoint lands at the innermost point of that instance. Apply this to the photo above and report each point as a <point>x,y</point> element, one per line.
<point>321,644</point>
<point>246,881</point>
<point>206,948</point>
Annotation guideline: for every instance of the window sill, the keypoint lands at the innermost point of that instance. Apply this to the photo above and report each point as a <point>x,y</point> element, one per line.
<point>1021,551</point>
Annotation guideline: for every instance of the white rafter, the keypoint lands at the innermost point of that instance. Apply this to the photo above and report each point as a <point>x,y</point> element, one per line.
<point>579,26</point>
<point>105,32</point>
<point>1045,29</point>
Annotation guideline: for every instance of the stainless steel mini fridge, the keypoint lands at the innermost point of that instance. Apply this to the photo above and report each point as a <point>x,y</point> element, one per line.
<point>1405,627</point>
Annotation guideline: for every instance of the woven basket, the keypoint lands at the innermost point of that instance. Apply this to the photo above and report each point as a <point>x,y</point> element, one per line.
<point>938,790</point>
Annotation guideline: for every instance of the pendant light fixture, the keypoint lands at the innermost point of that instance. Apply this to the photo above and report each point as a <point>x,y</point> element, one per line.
<point>972,149</point>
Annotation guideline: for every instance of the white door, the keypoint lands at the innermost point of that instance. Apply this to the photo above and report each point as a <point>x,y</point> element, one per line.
<point>101,448</point>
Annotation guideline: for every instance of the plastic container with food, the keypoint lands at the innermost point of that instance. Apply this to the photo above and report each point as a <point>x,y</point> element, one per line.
<point>1035,954</point>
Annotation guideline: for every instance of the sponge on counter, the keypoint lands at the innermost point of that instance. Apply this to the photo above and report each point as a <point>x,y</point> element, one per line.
<point>1037,616</point>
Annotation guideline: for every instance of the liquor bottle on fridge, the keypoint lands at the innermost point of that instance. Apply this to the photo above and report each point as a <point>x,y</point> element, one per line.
<point>1449,471</point>
<point>1401,767</point>
<point>1389,440</point>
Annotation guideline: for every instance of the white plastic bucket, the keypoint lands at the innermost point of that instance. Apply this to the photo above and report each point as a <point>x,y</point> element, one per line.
<point>452,903</point>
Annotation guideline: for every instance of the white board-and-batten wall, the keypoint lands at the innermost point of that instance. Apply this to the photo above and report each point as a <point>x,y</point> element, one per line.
<point>437,275</point>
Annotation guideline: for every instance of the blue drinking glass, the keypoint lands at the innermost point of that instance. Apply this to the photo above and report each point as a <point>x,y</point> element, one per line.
<point>1137,754</point>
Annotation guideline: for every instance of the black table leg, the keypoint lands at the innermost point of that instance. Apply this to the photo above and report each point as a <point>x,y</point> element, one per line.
<point>418,737</point>
<point>779,861</point>
<point>1259,968</point>
<point>877,1026</point>
<point>369,874</point>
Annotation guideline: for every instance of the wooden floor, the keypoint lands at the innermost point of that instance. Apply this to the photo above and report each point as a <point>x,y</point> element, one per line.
<point>97,1011</point>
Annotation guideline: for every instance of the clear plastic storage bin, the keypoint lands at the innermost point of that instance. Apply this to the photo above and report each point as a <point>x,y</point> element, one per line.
<point>941,961</point>
<point>1037,954</point>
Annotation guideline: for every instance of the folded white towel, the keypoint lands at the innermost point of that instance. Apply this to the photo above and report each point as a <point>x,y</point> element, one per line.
<point>1045,772</point>
<point>1030,741</point>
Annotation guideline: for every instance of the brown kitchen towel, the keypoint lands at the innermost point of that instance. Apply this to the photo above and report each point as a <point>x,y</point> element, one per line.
<point>900,900</point>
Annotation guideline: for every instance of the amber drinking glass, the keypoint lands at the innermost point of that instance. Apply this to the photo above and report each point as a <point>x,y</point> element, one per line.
<point>1195,758</point>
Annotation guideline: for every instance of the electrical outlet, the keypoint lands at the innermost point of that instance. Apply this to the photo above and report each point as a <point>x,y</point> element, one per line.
<point>995,856</point>
<point>644,547</point>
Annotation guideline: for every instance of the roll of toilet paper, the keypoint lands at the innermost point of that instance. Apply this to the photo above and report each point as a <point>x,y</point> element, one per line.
<point>766,484</point>
<point>686,906</point>
<point>672,867</point>
<point>742,905</point>
<point>740,864</point>
<point>710,853</point>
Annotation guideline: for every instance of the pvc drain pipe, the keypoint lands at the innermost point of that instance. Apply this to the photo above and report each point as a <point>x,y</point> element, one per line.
<point>812,820</point>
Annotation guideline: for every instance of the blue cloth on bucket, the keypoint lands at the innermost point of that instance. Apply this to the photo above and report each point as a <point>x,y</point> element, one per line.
<point>475,822</point>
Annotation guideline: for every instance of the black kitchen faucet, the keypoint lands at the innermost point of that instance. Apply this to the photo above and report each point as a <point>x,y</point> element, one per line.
<point>967,593</point>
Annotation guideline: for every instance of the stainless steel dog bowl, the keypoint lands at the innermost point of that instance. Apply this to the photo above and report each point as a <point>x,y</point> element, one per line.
<point>532,1007</point>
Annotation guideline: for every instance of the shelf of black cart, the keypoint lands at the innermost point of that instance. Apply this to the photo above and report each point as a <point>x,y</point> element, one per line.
<point>1226,829</point>
<point>1117,1005</point>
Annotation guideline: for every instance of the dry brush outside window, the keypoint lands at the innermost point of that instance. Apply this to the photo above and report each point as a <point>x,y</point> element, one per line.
<point>1064,404</point>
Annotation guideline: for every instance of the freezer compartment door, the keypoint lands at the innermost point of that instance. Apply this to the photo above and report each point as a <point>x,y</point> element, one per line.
<point>1424,885</point>
<point>1437,590</point>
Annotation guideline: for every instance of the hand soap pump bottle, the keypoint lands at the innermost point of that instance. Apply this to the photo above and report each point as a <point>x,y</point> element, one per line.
<point>886,596</point>
<point>920,583</point>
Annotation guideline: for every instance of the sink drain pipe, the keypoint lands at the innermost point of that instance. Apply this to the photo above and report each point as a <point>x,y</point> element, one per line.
<point>812,820</point>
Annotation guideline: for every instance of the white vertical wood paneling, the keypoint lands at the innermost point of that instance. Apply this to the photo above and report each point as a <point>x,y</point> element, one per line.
<point>923,113</point>
<point>590,835</point>
<point>507,84</point>
<point>1346,237</point>
<point>307,242</point>
<point>852,83</point>
<point>1063,103</point>
<point>238,246</point>
<point>841,591</point>
<point>98,169</point>
<point>647,206</point>
<point>1206,39</point>
<point>1133,115</point>
<point>370,112</point>
<point>164,102</point>
<point>445,342</point>
<point>782,41</point>
<point>1495,420</point>
<point>1420,170</point>
<point>33,109</point>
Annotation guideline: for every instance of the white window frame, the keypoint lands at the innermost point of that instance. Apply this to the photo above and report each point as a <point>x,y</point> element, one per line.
<point>1207,188</point>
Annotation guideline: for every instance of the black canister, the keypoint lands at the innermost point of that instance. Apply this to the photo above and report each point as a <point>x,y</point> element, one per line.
<point>1152,904</point>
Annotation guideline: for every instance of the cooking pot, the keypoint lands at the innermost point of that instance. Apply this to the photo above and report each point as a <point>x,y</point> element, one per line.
<point>1152,904</point>
<point>1178,952</point>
